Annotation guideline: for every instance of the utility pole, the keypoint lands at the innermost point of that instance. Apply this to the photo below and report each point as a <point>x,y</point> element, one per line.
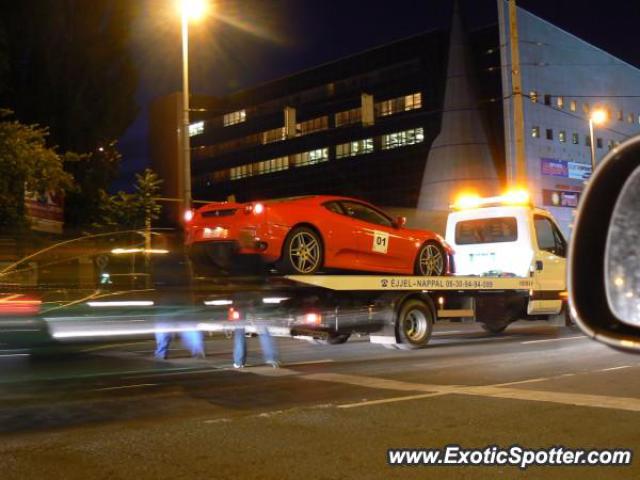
<point>514,126</point>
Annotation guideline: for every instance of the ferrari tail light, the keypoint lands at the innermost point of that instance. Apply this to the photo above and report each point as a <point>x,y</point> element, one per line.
<point>255,208</point>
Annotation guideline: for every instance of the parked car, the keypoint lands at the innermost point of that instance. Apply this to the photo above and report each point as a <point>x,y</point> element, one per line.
<point>303,235</point>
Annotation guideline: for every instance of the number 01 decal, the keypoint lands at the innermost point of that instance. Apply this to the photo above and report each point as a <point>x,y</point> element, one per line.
<point>380,242</point>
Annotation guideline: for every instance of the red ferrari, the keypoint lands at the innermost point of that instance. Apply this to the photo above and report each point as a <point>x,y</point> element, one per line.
<point>302,235</point>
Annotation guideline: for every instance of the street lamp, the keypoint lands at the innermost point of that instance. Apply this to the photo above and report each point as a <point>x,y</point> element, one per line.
<point>597,117</point>
<point>190,10</point>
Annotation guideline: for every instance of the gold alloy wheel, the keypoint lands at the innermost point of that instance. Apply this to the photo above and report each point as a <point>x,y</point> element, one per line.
<point>304,252</point>
<point>431,261</point>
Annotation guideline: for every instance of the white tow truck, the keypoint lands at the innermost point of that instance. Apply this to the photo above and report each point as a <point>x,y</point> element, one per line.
<point>509,263</point>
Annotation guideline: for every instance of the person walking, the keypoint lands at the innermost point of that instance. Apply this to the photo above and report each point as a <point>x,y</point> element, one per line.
<point>269,349</point>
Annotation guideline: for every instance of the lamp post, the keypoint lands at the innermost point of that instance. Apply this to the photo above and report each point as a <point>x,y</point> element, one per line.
<point>189,10</point>
<point>597,117</point>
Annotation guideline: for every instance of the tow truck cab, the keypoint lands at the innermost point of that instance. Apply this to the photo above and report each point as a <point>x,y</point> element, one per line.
<point>507,236</point>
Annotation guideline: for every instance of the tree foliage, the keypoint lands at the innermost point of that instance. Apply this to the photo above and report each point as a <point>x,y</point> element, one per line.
<point>131,210</point>
<point>93,173</point>
<point>27,164</point>
<point>70,67</point>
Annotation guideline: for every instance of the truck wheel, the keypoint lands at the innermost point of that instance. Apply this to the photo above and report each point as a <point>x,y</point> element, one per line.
<point>302,252</point>
<point>495,327</point>
<point>414,324</point>
<point>431,260</point>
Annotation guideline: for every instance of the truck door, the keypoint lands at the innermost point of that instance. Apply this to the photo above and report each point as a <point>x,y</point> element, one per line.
<point>549,268</point>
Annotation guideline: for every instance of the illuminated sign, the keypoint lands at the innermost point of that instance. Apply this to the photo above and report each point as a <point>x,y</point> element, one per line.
<point>560,198</point>
<point>562,168</point>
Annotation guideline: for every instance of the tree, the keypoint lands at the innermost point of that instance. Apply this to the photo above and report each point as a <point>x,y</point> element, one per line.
<point>69,65</point>
<point>27,164</point>
<point>93,173</point>
<point>133,210</point>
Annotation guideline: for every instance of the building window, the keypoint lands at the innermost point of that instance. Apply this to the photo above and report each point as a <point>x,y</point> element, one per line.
<point>273,135</point>
<point>196,129</point>
<point>560,102</point>
<point>348,117</point>
<point>620,115</point>
<point>310,158</point>
<point>587,140</point>
<point>549,133</point>
<point>313,125</point>
<point>639,118</point>
<point>535,132</point>
<point>562,136</point>
<point>585,108</point>
<point>610,145</point>
<point>573,105</point>
<point>547,99</point>
<point>575,139</point>
<point>413,101</point>
<point>533,95</point>
<point>234,117</point>
<point>351,149</point>
<point>241,171</point>
<point>270,166</point>
<point>630,117</point>
<point>399,104</point>
<point>598,142</point>
<point>400,139</point>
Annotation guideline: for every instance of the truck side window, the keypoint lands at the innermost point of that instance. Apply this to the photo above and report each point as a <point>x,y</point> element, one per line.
<point>549,237</point>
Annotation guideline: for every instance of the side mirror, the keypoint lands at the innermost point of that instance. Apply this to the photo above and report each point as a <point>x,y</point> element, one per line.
<point>604,254</point>
<point>400,222</point>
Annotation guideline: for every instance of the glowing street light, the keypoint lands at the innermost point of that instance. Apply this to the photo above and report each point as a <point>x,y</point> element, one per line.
<point>190,10</point>
<point>597,117</point>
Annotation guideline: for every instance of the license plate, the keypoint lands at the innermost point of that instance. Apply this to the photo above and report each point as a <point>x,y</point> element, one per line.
<point>217,232</point>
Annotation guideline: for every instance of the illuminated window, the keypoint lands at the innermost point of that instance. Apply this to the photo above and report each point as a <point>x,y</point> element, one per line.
<point>562,136</point>
<point>273,135</point>
<point>630,117</point>
<point>310,158</point>
<point>348,117</point>
<point>533,95</point>
<point>575,139</point>
<point>400,139</point>
<point>351,149</point>
<point>560,102</point>
<point>399,104</point>
<point>620,115</point>
<point>586,108</point>
<point>573,105</point>
<point>549,133</point>
<point>270,166</point>
<point>535,132</point>
<point>196,129</point>
<point>241,171</point>
<point>313,125</point>
<point>234,117</point>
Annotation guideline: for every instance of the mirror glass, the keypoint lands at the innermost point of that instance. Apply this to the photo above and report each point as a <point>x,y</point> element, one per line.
<point>622,254</point>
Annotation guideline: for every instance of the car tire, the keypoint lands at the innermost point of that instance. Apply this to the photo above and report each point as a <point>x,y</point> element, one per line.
<point>302,253</point>
<point>414,324</point>
<point>431,260</point>
<point>337,338</point>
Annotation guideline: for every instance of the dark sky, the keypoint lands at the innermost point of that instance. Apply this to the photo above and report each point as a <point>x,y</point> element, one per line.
<point>247,42</point>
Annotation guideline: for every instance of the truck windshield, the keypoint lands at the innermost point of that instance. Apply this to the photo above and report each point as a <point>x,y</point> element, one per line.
<point>487,230</point>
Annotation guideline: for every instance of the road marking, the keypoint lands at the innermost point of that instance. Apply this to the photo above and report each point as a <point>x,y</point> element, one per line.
<point>553,339</point>
<point>391,400</point>
<point>122,387</point>
<point>614,368</point>
<point>493,391</point>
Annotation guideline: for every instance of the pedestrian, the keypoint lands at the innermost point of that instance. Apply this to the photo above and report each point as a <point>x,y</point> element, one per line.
<point>269,349</point>
<point>171,273</point>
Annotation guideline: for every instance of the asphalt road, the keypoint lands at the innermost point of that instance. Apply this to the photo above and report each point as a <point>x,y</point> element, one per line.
<point>331,412</point>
